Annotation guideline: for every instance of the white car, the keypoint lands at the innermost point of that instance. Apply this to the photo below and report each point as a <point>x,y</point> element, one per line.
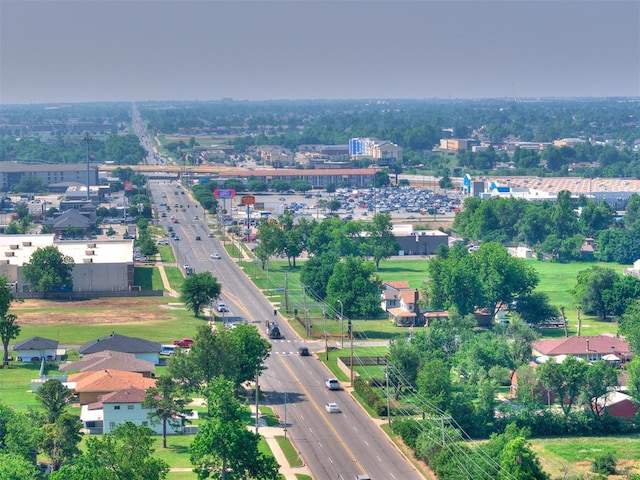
<point>332,407</point>
<point>222,307</point>
<point>215,256</point>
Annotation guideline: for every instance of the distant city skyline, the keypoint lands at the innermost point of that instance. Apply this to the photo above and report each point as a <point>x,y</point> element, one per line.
<point>64,51</point>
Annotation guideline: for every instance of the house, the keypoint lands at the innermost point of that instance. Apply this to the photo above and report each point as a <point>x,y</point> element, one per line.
<point>407,312</point>
<point>35,349</point>
<point>390,296</point>
<point>617,404</point>
<point>141,348</point>
<point>70,220</point>
<point>110,360</point>
<point>542,394</point>
<point>88,386</point>
<point>116,408</point>
<point>590,348</point>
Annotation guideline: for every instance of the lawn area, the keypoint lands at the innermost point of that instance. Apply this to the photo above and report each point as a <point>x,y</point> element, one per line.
<point>166,253</point>
<point>175,277</point>
<point>148,278</point>
<point>15,385</point>
<point>577,453</point>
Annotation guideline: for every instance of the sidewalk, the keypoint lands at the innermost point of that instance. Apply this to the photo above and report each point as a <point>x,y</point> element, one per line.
<point>165,280</point>
<point>269,434</point>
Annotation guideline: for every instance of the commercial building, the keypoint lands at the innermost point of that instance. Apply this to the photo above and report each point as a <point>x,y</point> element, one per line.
<point>12,172</point>
<point>100,266</point>
<point>383,152</point>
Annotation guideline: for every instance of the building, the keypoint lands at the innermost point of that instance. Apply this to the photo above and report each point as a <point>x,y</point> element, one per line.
<point>418,242</point>
<point>591,348</point>
<point>100,266</point>
<point>458,144</point>
<point>318,179</point>
<point>116,408</point>
<point>383,152</point>
<point>110,360</point>
<point>89,386</point>
<point>142,349</point>
<point>35,349</point>
<point>12,172</point>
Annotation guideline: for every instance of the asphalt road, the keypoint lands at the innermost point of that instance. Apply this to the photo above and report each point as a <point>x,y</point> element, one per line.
<point>333,445</point>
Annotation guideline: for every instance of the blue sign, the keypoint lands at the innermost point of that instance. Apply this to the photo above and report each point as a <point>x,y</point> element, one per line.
<point>224,193</point>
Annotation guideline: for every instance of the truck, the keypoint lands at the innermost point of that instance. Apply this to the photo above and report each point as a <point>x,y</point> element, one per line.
<point>184,343</point>
<point>332,384</point>
<point>272,330</point>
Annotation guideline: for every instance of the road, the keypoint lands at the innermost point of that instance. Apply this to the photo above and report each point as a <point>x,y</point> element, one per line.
<point>333,445</point>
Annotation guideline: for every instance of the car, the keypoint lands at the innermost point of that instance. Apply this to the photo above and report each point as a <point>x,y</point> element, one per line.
<point>198,237</point>
<point>196,217</point>
<point>215,256</point>
<point>332,407</point>
<point>303,351</point>
<point>210,235</point>
<point>169,228</point>
<point>363,477</point>
<point>332,384</point>
<point>222,307</point>
<point>163,242</point>
<point>184,343</point>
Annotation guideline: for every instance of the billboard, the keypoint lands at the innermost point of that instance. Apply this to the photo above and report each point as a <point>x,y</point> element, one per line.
<point>224,193</point>
<point>248,200</point>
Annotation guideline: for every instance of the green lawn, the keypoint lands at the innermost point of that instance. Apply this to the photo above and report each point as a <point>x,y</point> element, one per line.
<point>166,254</point>
<point>148,278</point>
<point>175,277</point>
<point>15,385</point>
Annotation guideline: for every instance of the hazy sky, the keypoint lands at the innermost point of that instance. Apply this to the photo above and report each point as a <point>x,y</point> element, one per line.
<point>95,50</point>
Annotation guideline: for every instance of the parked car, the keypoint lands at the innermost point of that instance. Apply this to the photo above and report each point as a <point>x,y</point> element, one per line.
<point>184,343</point>
<point>332,407</point>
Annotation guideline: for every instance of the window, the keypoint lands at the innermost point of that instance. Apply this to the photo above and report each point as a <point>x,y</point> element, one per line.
<point>116,407</point>
<point>130,407</point>
<point>145,423</point>
<point>112,425</point>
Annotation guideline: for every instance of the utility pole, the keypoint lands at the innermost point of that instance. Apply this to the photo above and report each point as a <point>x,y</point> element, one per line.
<point>286,293</point>
<point>306,314</point>
<point>386,375</point>
<point>341,324</point>
<point>351,355</point>
<point>257,397</point>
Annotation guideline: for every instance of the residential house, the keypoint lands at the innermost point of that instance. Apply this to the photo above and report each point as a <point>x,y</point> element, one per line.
<point>88,386</point>
<point>402,307</point>
<point>141,348</point>
<point>617,404</point>
<point>116,408</point>
<point>542,394</point>
<point>110,360</point>
<point>70,220</point>
<point>590,348</point>
<point>35,349</point>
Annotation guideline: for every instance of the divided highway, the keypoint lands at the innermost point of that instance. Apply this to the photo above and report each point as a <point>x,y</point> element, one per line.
<point>333,445</point>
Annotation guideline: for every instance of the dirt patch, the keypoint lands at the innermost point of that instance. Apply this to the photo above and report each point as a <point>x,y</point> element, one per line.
<point>101,311</point>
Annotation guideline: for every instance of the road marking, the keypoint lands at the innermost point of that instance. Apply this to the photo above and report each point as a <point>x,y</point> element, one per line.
<point>345,446</point>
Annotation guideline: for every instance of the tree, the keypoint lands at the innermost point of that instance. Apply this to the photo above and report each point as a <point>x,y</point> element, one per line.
<point>381,179</point>
<point>355,284</point>
<point>124,454</point>
<point>61,439</point>
<point>404,360</point>
<point>54,398</point>
<point>8,331</point>
<point>223,447</point>
<point>24,435</point>
<point>629,326</point>
<point>317,271</point>
<point>167,405</point>
<point>434,383</point>
<point>48,270</point>
<point>380,242</point>
<point>591,287</point>
<point>599,379</point>
<point>30,184</point>
<point>535,307</point>
<point>199,289</point>
<point>518,461</point>
<point>15,467</point>
<point>566,378</point>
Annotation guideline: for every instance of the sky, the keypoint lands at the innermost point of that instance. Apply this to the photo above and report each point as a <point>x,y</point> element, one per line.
<point>60,51</point>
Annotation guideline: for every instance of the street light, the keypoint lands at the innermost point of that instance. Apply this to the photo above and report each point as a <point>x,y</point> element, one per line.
<point>341,324</point>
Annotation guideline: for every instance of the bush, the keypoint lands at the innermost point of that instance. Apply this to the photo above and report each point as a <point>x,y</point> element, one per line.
<point>604,464</point>
<point>370,396</point>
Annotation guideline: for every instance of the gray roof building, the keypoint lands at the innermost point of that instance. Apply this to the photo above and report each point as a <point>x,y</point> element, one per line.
<point>36,343</point>
<point>120,343</point>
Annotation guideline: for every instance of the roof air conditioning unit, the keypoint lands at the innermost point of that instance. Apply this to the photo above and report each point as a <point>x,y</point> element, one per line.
<point>26,244</point>
<point>14,247</point>
<point>9,254</point>
<point>89,252</point>
<point>87,260</point>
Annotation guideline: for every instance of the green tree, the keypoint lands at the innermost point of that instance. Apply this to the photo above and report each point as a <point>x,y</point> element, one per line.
<point>124,454</point>
<point>633,372</point>
<point>629,326</point>
<point>61,438</point>
<point>380,243</point>
<point>404,360</point>
<point>535,307</point>
<point>566,378</point>
<point>599,379</point>
<point>167,404</point>
<point>591,290</point>
<point>434,382</point>
<point>381,179</point>
<point>317,271</point>
<point>15,467</point>
<point>198,290</point>
<point>223,448</point>
<point>518,461</point>
<point>356,285</point>
<point>48,270</point>
<point>24,435</point>
<point>54,398</point>
<point>9,330</point>
<point>30,184</point>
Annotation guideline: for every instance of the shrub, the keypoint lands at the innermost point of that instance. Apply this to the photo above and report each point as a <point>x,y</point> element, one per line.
<point>604,464</point>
